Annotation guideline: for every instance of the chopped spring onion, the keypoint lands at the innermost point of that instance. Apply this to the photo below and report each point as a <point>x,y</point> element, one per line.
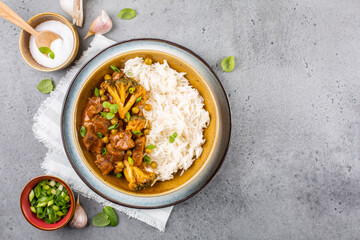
<point>114,68</point>
<point>103,151</point>
<point>49,203</point>
<point>131,161</point>
<point>137,133</point>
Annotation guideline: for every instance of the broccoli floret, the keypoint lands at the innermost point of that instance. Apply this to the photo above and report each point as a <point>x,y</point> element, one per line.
<point>137,178</point>
<point>120,91</point>
<point>136,123</point>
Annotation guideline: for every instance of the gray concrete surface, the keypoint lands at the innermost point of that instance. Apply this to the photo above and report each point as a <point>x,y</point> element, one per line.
<point>292,171</point>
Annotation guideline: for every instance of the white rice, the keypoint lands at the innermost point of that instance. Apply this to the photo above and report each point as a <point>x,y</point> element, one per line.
<point>177,107</point>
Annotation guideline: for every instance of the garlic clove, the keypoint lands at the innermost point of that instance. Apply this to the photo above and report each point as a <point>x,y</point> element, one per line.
<point>101,25</point>
<point>75,9</point>
<point>79,219</point>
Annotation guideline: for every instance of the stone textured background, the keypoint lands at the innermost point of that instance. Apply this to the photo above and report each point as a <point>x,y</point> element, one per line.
<point>292,170</point>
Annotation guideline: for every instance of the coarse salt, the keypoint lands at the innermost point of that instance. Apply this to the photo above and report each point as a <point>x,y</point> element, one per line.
<point>61,47</point>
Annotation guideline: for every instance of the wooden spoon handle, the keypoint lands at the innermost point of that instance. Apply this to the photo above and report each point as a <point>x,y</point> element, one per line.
<point>11,16</point>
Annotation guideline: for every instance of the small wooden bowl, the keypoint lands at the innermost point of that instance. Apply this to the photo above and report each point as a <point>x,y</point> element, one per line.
<point>32,218</point>
<point>25,38</point>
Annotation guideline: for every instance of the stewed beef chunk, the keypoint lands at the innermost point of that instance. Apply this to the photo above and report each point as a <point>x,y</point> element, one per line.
<point>92,142</point>
<point>138,152</point>
<point>103,164</point>
<point>101,124</point>
<point>122,140</point>
<point>92,107</point>
<point>117,75</point>
<point>113,154</point>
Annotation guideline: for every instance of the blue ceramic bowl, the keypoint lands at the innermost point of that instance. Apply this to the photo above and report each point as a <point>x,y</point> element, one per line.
<point>217,135</point>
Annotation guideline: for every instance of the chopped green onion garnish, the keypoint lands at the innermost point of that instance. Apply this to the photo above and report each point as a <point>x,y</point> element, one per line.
<point>131,161</point>
<point>119,175</point>
<point>100,135</point>
<point>114,68</point>
<point>138,99</point>
<point>103,151</point>
<point>33,209</point>
<point>151,146</point>
<point>82,131</point>
<point>31,195</point>
<point>137,133</point>
<point>127,116</point>
<point>113,126</point>
<point>131,90</point>
<point>52,183</point>
<point>97,92</point>
<point>51,202</point>
<point>172,137</point>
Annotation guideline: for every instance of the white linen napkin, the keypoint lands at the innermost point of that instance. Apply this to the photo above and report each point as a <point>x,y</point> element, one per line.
<point>47,130</point>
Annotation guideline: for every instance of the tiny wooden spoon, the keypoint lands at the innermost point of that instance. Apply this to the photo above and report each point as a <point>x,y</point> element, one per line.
<point>42,38</point>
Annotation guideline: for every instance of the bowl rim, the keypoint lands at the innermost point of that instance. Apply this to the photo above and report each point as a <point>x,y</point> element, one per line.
<point>71,194</point>
<point>226,143</point>
<point>73,51</point>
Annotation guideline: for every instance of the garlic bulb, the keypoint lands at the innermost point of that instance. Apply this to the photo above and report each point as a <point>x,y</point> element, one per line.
<point>79,219</point>
<point>75,9</point>
<point>102,24</point>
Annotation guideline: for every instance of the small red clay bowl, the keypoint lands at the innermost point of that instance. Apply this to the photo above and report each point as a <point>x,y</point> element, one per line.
<point>32,218</point>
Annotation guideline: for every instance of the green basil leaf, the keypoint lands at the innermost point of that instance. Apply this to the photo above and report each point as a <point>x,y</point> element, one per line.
<point>45,86</point>
<point>114,68</point>
<point>138,99</point>
<point>44,50</point>
<point>106,104</point>
<point>147,159</point>
<point>131,161</point>
<point>127,14</point>
<point>97,92</point>
<point>228,64</point>
<point>103,114</point>
<point>101,220</point>
<point>103,151</point>
<point>137,133</point>
<point>100,135</point>
<point>110,116</point>
<point>82,131</point>
<point>113,126</point>
<point>111,214</point>
<point>52,55</point>
<point>151,147</point>
<point>114,108</point>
